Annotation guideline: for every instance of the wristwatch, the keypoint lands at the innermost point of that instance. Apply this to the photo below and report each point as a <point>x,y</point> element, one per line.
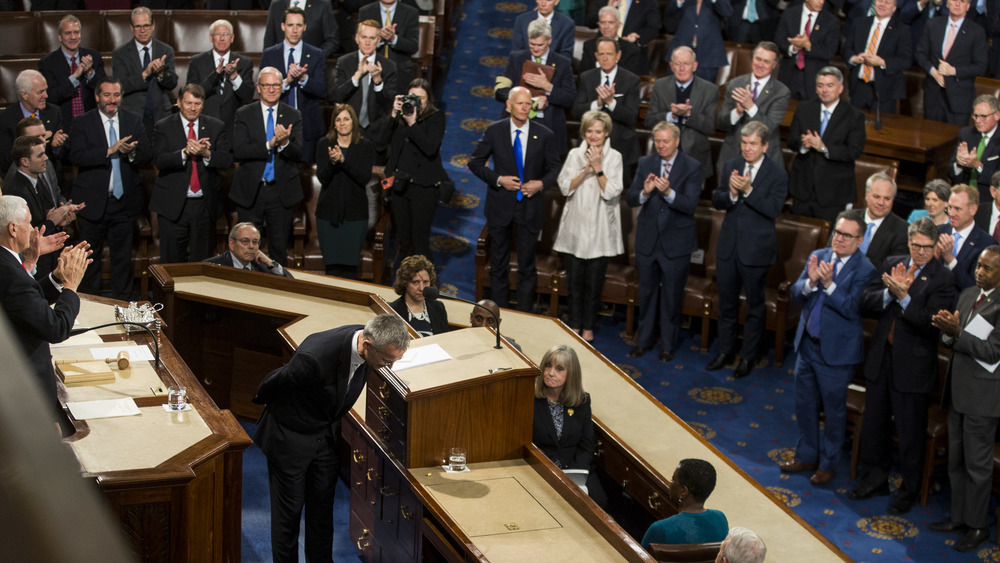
<point>601,173</point>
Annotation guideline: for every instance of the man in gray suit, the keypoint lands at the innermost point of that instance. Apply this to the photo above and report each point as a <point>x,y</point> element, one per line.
<point>688,101</point>
<point>145,67</point>
<point>972,333</point>
<point>757,96</point>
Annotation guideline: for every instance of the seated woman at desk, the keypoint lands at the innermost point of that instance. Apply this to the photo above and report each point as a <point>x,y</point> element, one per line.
<point>426,317</point>
<point>693,481</point>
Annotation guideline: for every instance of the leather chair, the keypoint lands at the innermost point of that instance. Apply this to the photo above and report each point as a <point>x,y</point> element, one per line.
<point>423,59</point>
<point>9,69</point>
<point>249,28</point>
<point>20,35</point>
<point>685,552</point>
<point>580,36</point>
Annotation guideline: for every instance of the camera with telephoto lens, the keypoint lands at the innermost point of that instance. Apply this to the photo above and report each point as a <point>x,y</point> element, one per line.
<point>410,104</point>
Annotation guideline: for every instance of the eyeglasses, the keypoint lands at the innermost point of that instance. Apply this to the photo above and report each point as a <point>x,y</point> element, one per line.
<point>978,116</point>
<point>922,247</point>
<point>143,26</point>
<point>375,359</point>
<point>227,34</point>
<point>844,235</point>
<point>249,241</point>
<point>270,86</point>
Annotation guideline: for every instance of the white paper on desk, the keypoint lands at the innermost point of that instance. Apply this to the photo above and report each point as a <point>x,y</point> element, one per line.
<point>421,356</point>
<point>135,353</point>
<point>107,408</point>
<point>981,329</point>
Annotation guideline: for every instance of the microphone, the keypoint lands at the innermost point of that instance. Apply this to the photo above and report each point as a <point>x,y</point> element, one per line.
<point>156,343</point>
<point>432,294</point>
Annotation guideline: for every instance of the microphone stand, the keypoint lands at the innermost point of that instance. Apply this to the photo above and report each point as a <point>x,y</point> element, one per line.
<point>433,294</point>
<point>156,343</point>
<point>878,109</point>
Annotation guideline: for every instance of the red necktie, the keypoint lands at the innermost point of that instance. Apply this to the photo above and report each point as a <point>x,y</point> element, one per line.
<point>800,57</point>
<point>77,102</point>
<point>996,231</point>
<point>195,183</point>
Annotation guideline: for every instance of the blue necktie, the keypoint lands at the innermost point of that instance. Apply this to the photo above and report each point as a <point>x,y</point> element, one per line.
<point>954,249</point>
<point>291,89</point>
<point>813,325</point>
<point>826,120</point>
<point>868,237</point>
<point>269,134</point>
<point>117,189</point>
<point>751,11</point>
<point>519,160</point>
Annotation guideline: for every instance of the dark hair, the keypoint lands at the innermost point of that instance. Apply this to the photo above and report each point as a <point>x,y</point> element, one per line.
<point>22,147</point>
<point>770,46</point>
<point>411,266</point>
<point>107,79</point>
<point>196,90</point>
<point>23,125</point>
<point>429,107</point>
<point>294,10</point>
<point>853,215</point>
<point>698,476</point>
<point>603,39</point>
<point>331,133</point>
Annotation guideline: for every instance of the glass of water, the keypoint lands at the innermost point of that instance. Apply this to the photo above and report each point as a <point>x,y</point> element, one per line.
<point>177,398</point>
<point>456,459</point>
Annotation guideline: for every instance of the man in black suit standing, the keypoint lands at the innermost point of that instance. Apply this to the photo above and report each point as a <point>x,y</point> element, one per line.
<point>366,80</point>
<point>145,67</point>
<point>399,36</point>
<point>107,145</point>
<point>227,77</point>
<point>877,50</point>
<point>636,23</point>
<point>809,36</point>
<point>322,31</point>
<point>752,191</point>
<point>32,89</point>
<point>614,90</point>
<point>901,367</point>
<point>190,148</point>
<point>977,155</point>
<point>885,232</point>
<point>71,71</point>
<point>667,186</point>
<point>633,59</point>
<point>245,254</point>
<point>525,163</point>
<point>953,52</point>
<point>961,240</point>
<point>988,216</point>
<point>827,137</point>
<point>299,429</point>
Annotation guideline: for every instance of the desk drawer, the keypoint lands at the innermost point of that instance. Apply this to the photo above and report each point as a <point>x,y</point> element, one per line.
<point>635,483</point>
<point>387,395</point>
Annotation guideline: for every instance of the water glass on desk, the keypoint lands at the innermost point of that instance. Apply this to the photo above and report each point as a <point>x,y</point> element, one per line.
<point>177,398</point>
<point>456,459</point>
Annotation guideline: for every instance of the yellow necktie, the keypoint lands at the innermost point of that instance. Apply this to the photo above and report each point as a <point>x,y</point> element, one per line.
<point>388,22</point>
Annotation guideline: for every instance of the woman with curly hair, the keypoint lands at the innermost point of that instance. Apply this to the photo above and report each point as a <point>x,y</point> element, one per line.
<point>426,317</point>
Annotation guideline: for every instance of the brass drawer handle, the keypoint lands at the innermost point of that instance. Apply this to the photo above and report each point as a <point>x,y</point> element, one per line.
<point>405,511</point>
<point>358,456</point>
<point>386,491</point>
<point>383,390</point>
<point>383,413</point>
<point>363,538</point>
<point>372,474</point>
<point>654,501</point>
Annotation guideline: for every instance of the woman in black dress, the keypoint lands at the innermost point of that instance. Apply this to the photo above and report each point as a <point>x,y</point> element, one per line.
<point>426,317</point>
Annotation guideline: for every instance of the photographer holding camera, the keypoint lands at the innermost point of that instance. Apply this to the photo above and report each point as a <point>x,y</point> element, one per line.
<point>415,167</point>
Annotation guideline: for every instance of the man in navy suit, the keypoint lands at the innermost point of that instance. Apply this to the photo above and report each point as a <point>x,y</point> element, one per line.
<point>145,67</point>
<point>700,27</point>
<point>977,155</point>
<point>636,23</point>
<point>71,71</point>
<point>514,195</point>
<point>32,90</point>
<point>227,77</point>
<point>399,36</point>
<point>299,430</point>
<point>666,186</point>
<point>107,145</point>
<point>305,78</point>
<point>809,37</point>
<point>563,30</point>
<point>752,191</point>
<point>614,90</point>
<point>953,52</point>
<point>961,240</point>
<point>322,31</point>
<point>830,342</point>
<point>877,50</point>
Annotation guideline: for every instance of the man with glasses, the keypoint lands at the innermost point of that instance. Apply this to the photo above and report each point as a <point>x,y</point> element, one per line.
<point>300,428</point>
<point>901,368</point>
<point>245,254</point>
<point>830,342</point>
<point>145,67</point>
<point>977,155</point>
<point>227,77</point>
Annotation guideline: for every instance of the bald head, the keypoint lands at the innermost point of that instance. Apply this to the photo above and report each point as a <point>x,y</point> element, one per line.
<point>478,317</point>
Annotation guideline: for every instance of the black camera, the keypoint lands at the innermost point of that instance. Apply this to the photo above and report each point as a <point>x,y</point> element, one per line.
<point>410,104</point>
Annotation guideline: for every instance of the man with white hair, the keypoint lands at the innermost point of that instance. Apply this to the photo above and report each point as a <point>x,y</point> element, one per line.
<point>32,90</point>
<point>227,77</point>
<point>742,546</point>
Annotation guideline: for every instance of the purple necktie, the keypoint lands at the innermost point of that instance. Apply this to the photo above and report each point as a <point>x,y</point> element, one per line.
<point>755,85</point>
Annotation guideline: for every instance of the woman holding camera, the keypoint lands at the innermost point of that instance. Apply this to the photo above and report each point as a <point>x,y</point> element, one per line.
<point>344,163</point>
<point>415,163</point>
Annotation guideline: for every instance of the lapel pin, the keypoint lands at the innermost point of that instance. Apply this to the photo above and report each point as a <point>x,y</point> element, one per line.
<point>923,278</point>
<point>816,28</point>
<point>534,136</point>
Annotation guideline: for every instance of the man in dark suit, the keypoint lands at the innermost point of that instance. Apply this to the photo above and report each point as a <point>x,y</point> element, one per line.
<point>953,52</point>
<point>977,155</point>
<point>525,163</point>
<point>190,149</point>
<point>614,90</point>
<point>563,30</point>
<point>305,79</point>
<point>973,334</point>
<point>667,186</point>
<point>245,254</point>
<point>830,343</point>
<point>71,71</point>
<point>41,312</point>
<point>633,59</point>
<point>689,101</point>
<point>399,36</point>
<point>757,96</point>
<point>827,137</point>
<point>367,81</point>
<point>988,216</point>
<point>107,145</point>
<point>752,191</point>
<point>32,89</point>
<point>322,31</point>
<point>754,21</point>
<point>700,26</point>
<point>961,240</point>
<point>885,232</point>
<point>145,67</point>
<point>636,23</point>
<point>299,429</point>
<point>267,142</point>
<point>901,367</point>
<point>227,77</point>
<point>877,50</point>
<point>809,36</point>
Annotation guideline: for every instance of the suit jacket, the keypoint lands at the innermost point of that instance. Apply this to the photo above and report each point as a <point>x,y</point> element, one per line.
<point>201,70</point>
<point>843,339</point>
<point>696,127</point>
<point>250,152</point>
<point>895,46</point>
<point>965,270</point>
<point>541,162</point>
<point>747,232</point>
<point>828,179</point>
<point>305,397</point>
<point>623,136</point>
<point>825,39</point>
<point>706,24</point>
<point>643,17</point>
<point>772,103</point>
<point>439,316</point>
<point>54,195</point>
<point>127,67</point>
<point>634,58</point>
<point>343,195</point>
<point>39,199</point>
<point>174,170</point>
<point>50,115</point>
<point>406,20</point>
<point>309,96</point>
<point>974,390</point>
<point>914,353</point>
<point>984,215</point>
<point>226,259</point>
<point>87,148</point>
<point>968,55</point>
<point>563,33</point>
<point>560,98</point>
<point>575,448</point>
<point>889,240</point>
<point>667,229</point>
<point>991,162</point>
<point>416,150</point>
<point>321,27</point>
<point>55,69</point>
<point>379,103</point>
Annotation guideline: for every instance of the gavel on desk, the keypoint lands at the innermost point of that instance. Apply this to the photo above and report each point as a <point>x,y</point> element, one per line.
<point>121,360</point>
